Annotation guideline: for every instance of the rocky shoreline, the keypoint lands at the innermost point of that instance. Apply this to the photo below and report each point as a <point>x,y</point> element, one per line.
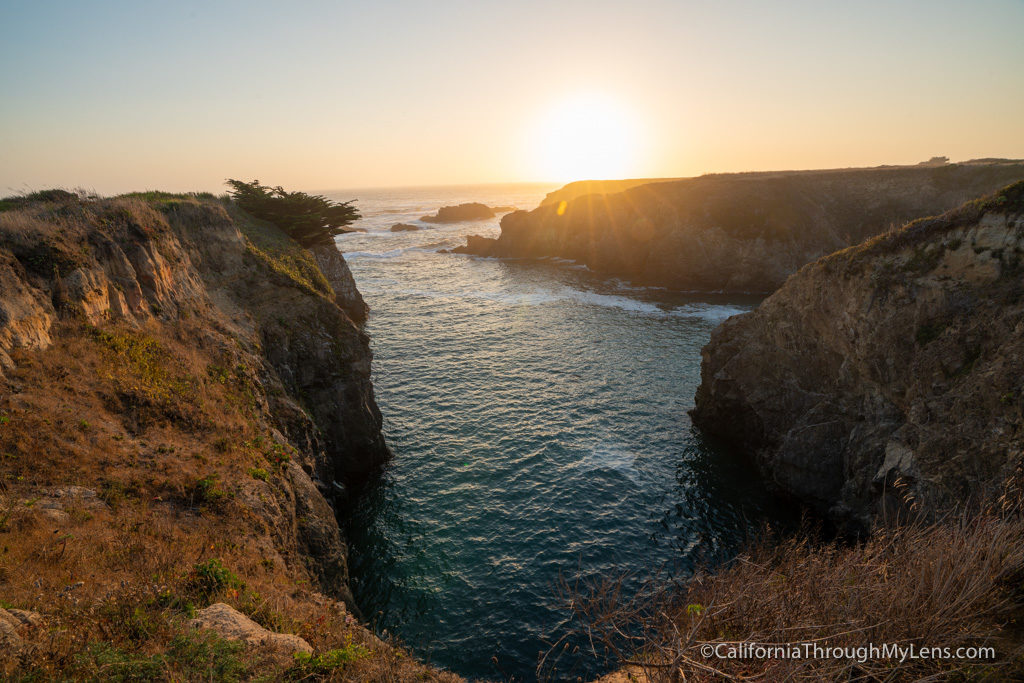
<point>884,380</point>
<point>733,232</point>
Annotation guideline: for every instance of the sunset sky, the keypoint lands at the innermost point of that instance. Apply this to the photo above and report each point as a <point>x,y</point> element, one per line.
<point>117,96</point>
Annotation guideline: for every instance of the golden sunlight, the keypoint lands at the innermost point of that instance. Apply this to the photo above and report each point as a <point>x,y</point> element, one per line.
<point>586,137</point>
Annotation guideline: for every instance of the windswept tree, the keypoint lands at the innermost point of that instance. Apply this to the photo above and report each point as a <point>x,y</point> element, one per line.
<point>310,220</point>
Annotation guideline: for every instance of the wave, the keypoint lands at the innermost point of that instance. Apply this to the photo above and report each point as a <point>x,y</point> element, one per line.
<point>377,255</point>
<point>540,297</point>
<point>609,458</point>
<point>713,313</point>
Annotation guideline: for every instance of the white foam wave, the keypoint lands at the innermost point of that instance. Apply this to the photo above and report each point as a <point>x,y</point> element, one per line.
<point>607,457</point>
<point>378,255</point>
<point>710,312</point>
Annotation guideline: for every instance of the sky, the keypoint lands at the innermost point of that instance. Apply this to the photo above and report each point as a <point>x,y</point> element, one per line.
<point>316,95</point>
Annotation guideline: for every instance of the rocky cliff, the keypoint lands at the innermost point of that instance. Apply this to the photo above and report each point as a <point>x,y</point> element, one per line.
<point>183,392</point>
<point>738,232</point>
<point>887,376</point>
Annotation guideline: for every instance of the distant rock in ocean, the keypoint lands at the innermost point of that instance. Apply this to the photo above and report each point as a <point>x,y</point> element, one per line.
<point>404,227</point>
<point>476,246</point>
<point>503,209</point>
<point>471,211</point>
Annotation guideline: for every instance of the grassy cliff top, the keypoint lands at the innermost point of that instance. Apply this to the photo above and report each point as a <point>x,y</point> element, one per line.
<point>1008,201</point>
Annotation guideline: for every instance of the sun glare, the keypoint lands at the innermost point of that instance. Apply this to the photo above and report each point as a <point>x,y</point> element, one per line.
<point>587,137</point>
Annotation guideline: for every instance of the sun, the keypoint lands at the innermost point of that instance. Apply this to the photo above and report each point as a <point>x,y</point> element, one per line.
<point>586,137</point>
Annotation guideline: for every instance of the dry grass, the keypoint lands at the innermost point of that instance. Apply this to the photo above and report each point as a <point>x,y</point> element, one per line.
<point>950,585</point>
<point>167,422</point>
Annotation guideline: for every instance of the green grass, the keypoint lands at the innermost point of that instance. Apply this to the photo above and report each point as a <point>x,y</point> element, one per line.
<point>193,655</point>
<point>324,664</point>
<point>259,473</point>
<point>159,196</point>
<point>210,577</point>
<point>281,253</point>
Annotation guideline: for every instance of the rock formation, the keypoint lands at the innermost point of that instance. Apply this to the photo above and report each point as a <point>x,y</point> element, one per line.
<point>404,227</point>
<point>339,276</point>
<point>886,377</point>
<point>471,211</point>
<point>231,624</point>
<point>738,232</point>
<point>136,277</point>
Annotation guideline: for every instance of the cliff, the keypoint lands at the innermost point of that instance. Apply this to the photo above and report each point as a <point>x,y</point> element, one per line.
<point>580,188</point>
<point>183,391</point>
<point>887,376</point>
<point>738,232</point>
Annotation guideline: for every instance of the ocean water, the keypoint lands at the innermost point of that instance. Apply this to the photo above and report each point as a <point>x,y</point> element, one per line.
<point>538,418</point>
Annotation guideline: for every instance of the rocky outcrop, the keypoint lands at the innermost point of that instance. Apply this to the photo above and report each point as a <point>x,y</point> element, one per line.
<point>79,267</point>
<point>404,227</point>
<point>339,275</point>
<point>738,232</point>
<point>12,623</point>
<point>471,211</point>
<point>231,624</point>
<point>886,377</point>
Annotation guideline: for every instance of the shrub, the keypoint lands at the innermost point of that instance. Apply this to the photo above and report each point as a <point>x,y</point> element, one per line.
<point>308,666</point>
<point>207,491</point>
<point>210,577</point>
<point>259,473</point>
<point>308,219</point>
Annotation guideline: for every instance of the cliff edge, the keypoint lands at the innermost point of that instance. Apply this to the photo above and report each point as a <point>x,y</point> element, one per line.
<point>887,376</point>
<point>183,391</point>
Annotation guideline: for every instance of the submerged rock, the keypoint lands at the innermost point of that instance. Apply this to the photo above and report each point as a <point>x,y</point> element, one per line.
<point>885,377</point>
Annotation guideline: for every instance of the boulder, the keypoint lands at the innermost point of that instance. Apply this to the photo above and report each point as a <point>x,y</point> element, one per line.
<point>404,227</point>
<point>231,624</point>
<point>11,622</point>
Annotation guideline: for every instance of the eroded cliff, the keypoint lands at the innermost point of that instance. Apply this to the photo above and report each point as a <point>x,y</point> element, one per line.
<point>183,392</point>
<point>737,232</point>
<point>887,376</point>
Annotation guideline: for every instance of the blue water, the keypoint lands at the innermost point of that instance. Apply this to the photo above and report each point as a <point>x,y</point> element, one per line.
<point>538,418</point>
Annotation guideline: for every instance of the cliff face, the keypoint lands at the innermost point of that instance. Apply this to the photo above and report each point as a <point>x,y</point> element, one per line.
<point>885,376</point>
<point>180,350</point>
<point>740,233</point>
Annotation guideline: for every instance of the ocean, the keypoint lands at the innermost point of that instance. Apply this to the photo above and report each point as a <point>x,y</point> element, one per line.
<point>538,417</point>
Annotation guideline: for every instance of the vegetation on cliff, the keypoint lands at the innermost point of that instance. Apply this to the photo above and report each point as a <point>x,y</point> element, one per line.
<point>179,388</point>
<point>948,595</point>
<point>308,219</point>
